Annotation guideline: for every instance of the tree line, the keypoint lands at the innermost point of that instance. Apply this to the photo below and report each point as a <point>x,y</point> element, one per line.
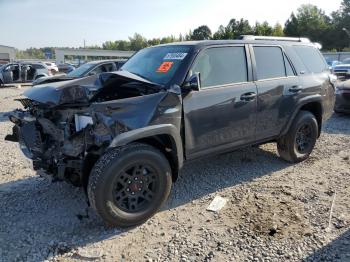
<point>332,31</point>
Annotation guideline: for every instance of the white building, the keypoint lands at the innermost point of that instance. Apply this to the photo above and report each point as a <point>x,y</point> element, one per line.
<point>89,54</point>
<point>7,53</point>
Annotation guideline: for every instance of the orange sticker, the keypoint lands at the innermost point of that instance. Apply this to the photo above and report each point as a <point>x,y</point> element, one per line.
<point>165,67</point>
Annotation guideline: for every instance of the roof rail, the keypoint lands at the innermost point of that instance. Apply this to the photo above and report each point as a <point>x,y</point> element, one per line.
<point>275,38</point>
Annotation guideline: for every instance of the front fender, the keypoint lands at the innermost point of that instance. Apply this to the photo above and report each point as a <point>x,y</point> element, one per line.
<point>149,131</point>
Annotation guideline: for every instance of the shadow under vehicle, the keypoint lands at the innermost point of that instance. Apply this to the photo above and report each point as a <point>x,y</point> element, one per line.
<point>124,136</point>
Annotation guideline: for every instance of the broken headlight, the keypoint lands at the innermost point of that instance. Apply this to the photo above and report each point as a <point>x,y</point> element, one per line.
<point>82,121</point>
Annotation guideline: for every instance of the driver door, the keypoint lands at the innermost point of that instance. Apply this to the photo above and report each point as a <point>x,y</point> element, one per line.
<point>7,74</point>
<point>222,114</point>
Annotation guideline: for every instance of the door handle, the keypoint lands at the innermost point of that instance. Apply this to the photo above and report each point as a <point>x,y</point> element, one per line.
<point>295,89</point>
<point>248,96</point>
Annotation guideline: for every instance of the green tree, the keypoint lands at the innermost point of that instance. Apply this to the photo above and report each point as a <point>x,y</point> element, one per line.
<point>311,22</point>
<point>277,30</point>
<point>137,42</point>
<point>263,29</point>
<point>341,20</point>
<point>201,33</point>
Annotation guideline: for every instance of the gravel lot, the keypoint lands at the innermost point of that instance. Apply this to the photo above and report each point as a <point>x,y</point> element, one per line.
<point>275,211</point>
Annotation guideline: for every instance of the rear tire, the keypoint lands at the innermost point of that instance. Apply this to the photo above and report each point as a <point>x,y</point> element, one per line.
<point>300,140</point>
<point>1,84</point>
<point>129,184</point>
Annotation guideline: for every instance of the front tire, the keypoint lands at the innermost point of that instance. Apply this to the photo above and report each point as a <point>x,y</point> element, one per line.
<point>298,143</point>
<point>129,184</point>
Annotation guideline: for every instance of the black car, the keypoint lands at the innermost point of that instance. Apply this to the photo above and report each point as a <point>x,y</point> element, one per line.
<point>87,69</point>
<point>342,102</point>
<point>124,136</point>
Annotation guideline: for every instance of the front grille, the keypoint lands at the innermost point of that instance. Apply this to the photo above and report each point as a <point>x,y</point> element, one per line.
<point>26,102</point>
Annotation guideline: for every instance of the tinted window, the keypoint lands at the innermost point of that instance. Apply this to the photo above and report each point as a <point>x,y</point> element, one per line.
<point>220,66</point>
<point>269,62</point>
<point>311,58</point>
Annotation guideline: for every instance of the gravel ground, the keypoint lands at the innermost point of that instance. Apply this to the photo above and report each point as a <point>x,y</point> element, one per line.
<point>275,211</point>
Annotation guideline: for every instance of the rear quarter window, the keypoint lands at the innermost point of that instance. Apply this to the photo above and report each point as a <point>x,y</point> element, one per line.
<point>311,58</point>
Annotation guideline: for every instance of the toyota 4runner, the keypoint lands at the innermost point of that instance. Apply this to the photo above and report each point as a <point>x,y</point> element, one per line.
<point>124,136</point>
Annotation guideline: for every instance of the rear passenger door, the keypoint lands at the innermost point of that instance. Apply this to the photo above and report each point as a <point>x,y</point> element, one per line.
<point>222,114</point>
<point>276,83</point>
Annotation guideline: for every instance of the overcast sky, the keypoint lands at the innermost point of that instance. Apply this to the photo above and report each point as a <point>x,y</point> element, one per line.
<point>40,23</point>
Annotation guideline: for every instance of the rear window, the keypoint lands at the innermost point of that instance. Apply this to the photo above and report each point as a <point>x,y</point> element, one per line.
<point>269,62</point>
<point>311,58</point>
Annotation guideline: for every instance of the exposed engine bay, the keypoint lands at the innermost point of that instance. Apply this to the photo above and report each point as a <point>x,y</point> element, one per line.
<point>66,126</point>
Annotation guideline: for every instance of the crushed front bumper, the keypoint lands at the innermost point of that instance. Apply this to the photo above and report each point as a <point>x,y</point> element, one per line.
<point>26,133</point>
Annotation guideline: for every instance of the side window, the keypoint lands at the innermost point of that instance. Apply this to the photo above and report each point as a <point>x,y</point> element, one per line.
<point>289,69</point>
<point>221,65</point>
<point>269,62</point>
<point>311,58</point>
<point>109,67</point>
<point>38,66</point>
<point>98,70</point>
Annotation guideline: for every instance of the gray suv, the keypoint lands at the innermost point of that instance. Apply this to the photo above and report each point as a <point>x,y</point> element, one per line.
<point>124,136</point>
<point>22,72</point>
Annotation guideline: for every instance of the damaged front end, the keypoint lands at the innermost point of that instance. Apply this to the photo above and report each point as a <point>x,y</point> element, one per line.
<point>65,127</point>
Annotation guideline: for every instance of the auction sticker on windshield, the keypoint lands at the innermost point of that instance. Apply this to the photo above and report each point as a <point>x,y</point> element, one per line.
<point>175,56</point>
<point>165,67</point>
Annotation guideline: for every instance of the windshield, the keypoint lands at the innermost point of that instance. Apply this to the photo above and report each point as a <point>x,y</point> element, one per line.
<point>81,70</point>
<point>157,64</point>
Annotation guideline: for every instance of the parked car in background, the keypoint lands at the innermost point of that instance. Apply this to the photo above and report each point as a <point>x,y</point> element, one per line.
<point>342,69</point>
<point>332,64</point>
<point>66,68</point>
<point>124,136</point>
<point>342,102</point>
<point>88,69</point>
<point>52,67</point>
<point>23,72</point>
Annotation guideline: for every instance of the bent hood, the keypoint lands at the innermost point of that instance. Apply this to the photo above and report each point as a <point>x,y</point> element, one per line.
<point>51,79</point>
<point>87,89</point>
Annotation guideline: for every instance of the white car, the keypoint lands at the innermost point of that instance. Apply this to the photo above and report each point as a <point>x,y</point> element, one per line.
<point>52,67</point>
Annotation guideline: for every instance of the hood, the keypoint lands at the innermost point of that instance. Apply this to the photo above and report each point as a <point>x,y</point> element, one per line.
<point>88,89</point>
<point>342,66</point>
<point>50,79</point>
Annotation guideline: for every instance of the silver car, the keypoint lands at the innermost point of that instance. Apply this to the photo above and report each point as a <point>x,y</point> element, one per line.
<point>22,72</point>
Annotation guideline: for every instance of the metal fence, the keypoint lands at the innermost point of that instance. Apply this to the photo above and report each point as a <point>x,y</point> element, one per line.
<point>336,56</point>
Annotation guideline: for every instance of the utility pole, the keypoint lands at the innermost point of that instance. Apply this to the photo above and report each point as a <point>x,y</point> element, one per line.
<point>84,43</point>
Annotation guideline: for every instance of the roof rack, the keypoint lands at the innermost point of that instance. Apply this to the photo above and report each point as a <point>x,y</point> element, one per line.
<point>275,38</point>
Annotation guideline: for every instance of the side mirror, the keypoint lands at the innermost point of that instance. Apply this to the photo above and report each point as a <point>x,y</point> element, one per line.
<point>193,82</point>
<point>92,73</point>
